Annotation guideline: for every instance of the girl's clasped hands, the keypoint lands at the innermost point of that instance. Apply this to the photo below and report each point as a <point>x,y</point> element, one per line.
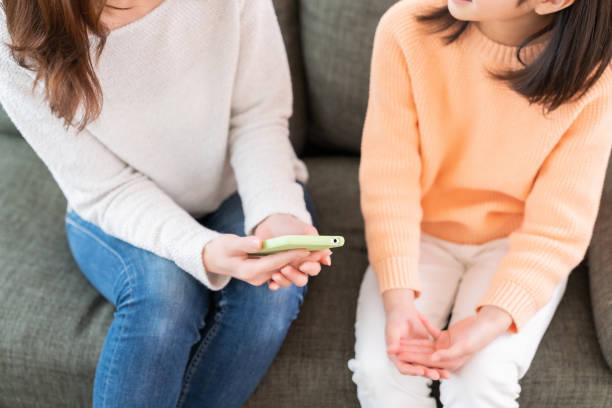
<point>418,348</point>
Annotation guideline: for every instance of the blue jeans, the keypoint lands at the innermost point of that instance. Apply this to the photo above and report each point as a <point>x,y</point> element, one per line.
<point>173,342</point>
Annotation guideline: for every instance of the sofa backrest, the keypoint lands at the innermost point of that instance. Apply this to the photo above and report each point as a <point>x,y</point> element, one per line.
<point>287,12</point>
<point>337,39</point>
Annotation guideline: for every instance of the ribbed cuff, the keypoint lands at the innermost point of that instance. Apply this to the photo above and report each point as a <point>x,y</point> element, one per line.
<point>513,299</point>
<point>398,273</point>
<point>189,258</point>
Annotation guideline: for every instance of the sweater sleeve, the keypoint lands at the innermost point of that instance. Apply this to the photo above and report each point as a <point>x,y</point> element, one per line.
<point>391,167</point>
<point>559,217</point>
<point>260,151</point>
<point>99,186</point>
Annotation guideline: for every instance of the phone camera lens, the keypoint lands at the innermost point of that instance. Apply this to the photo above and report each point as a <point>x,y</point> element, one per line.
<point>335,241</point>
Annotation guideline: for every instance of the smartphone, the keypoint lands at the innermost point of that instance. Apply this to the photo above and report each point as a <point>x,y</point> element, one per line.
<point>289,242</point>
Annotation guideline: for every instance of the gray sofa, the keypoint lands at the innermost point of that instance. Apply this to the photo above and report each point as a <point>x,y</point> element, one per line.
<point>53,323</point>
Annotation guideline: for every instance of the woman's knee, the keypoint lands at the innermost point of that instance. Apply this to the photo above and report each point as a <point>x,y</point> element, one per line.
<point>156,291</point>
<point>260,310</point>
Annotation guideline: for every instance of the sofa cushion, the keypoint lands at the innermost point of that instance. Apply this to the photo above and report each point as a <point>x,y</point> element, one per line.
<point>600,264</point>
<point>6,126</point>
<point>310,370</point>
<point>337,39</point>
<point>288,14</point>
<point>53,322</point>
<point>569,369</point>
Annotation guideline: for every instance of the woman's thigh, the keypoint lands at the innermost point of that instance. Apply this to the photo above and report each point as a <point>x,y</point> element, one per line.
<point>123,272</point>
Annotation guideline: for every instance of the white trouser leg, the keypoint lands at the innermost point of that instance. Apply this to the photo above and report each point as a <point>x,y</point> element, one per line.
<point>379,384</point>
<point>491,378</point>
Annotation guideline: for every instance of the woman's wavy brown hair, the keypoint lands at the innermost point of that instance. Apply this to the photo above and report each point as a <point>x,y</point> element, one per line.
<point>577,55</point>
<point>54,39</point>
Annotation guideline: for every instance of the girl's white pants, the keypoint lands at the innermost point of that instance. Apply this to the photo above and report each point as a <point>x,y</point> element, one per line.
<point>454,277</point>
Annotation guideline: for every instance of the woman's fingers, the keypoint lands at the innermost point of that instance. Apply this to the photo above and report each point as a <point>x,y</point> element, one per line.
<point>281,280</point>
<point>277,261</point>
<point>310,268</point>
<point>295,276</point>
<point>273,285</point>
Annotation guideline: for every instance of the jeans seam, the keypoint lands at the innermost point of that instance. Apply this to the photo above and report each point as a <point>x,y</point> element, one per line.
<point>98,240</point>
<point>125,270</point>
<point>195,361</point>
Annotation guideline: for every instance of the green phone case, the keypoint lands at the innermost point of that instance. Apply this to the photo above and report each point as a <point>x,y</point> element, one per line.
<point>309,242</point>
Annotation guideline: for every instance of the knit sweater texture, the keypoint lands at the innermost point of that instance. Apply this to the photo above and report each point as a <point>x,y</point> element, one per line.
<point>197,97</point>
<point>453,152</point>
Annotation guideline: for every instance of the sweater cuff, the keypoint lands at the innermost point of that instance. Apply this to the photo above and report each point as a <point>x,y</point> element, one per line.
<point>398,273</point>
<point>514,300</point>
<point>287,199</point>
<point>189,259</point>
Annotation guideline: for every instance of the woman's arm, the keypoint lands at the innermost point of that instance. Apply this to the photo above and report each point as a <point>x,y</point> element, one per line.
<point>98,185</point>
<point>261,153</point>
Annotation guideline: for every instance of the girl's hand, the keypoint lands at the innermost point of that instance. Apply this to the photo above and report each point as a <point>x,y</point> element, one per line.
<point>296,272</point>
<point>455,346</point>
<point>404,326</point>
<point>228,255</point>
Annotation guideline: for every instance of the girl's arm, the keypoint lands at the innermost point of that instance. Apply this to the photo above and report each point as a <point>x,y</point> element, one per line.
<point>98,185</point>
<point>261,153</point>
<point>391,166</point>
<point>560,213</point>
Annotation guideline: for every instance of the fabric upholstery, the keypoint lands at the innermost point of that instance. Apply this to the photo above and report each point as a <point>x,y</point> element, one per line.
<point>569,369</point>
<point>52,320</point>
<point>287,12</point>
<point>337,38</point>
<point>600,271</point>
<point>6,126</point>
<point>320,342</point>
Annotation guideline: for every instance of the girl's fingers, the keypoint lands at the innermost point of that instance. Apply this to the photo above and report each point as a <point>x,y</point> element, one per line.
<point>416,342</point>
<point>433,330</point>
<point>273,285</point>
<point>410,369</point>
<point>444,374</point>
<point>295,276</point>
<point>281,280</point>
<point>453,353</point>
<point>433,374</point>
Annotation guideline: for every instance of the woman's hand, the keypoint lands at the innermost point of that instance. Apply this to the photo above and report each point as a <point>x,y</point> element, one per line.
<point>403,326</point>
<point>228,255</point>
<point>455,346</point>
<point>295,272</point>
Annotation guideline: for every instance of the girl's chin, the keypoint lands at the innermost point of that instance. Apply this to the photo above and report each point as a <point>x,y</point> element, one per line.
<point>461,9</point>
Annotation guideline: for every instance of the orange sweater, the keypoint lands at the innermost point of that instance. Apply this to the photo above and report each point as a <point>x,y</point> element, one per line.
<point>452,152</point>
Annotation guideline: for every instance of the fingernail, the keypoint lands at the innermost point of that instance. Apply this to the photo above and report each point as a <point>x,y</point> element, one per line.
<point>255,244</point>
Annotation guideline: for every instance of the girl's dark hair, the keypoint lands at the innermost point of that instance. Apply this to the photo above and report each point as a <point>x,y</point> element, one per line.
<point>51,38</point>
<point>577,55</point>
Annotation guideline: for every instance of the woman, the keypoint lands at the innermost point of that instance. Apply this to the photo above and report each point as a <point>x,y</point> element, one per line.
<point>151,115</point>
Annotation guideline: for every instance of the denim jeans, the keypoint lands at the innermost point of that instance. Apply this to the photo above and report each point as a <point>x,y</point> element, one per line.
<point>173,342</point>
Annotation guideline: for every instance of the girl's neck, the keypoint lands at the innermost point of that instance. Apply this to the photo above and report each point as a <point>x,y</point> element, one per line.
<point>514,32</point>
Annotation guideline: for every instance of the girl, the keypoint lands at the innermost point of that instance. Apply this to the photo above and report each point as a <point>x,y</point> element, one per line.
<point>150,115</point>
<point>484,154</point>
